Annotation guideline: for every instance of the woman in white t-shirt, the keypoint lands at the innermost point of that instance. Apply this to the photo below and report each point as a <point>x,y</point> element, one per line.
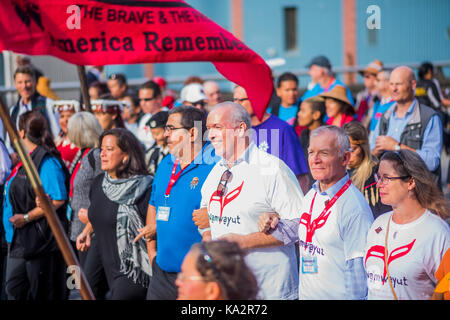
<point>414,233</point>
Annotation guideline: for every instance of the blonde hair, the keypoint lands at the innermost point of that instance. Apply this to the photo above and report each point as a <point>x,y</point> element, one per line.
<point>358,133</point>
<point>84,130</point>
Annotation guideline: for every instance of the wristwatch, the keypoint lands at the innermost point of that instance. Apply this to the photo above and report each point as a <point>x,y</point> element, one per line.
<point>26,218</point>
<point>397,147</point>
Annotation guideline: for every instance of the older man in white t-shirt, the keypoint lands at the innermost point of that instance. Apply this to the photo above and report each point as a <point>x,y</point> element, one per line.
<point>246,183</point>
<point>333,225</point>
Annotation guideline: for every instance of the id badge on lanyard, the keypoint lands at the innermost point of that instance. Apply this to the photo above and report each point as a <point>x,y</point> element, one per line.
<point>308,263</point>
<point>163,212</point>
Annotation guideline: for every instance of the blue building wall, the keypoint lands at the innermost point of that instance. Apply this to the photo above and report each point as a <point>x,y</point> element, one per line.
<point>411,31</point>
<point>319,27</point>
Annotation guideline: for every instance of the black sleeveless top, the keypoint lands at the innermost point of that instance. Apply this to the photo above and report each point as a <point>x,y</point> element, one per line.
<point>35,238</point>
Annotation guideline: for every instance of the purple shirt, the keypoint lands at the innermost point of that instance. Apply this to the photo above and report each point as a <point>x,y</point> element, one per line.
<point>278,138</point>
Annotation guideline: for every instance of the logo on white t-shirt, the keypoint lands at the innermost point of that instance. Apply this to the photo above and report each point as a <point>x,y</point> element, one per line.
<point>223,202</point>
<point>377,251</point>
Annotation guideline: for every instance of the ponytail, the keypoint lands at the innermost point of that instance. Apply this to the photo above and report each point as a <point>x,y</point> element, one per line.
<point>35,126</point>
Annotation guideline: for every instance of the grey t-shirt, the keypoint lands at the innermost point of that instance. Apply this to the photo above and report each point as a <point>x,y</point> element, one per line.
<point>81,187</point>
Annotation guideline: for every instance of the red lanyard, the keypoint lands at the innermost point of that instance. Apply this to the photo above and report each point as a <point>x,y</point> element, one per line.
<point>174,177</point>
<point>329,85</point>
<point>322,218</point>
<point>75,171</point>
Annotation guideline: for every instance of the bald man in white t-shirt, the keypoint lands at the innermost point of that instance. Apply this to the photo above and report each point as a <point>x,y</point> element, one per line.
<point>246,183</point>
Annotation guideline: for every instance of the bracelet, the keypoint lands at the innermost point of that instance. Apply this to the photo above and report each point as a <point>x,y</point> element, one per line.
<point>26,217</point>
<point>201,231</point>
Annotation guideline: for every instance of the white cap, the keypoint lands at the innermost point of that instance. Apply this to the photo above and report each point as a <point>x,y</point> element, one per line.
<point>192,93</point>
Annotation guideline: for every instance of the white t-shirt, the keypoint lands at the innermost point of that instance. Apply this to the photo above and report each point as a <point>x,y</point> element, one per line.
<point>415,251</point>
<point>340,237</point>
<point>260,183</point>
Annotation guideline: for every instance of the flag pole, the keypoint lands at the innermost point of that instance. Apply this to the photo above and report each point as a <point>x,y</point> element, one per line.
<point>84,87</point>
<point>52,219</point>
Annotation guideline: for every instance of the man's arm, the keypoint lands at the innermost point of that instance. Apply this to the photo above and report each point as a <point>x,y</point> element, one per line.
<point>253,240</point>
<point>355,280</point>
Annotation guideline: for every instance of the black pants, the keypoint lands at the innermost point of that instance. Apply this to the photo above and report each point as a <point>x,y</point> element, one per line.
<point>42,278</point>
<point>162,286</point>
<point>92,266</point>
<point>123,288</point>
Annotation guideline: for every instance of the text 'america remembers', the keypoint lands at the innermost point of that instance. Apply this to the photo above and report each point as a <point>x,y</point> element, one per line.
<point>152,41</point>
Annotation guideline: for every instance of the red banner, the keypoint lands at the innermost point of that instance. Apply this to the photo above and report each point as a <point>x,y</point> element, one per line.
<point>103,32</point>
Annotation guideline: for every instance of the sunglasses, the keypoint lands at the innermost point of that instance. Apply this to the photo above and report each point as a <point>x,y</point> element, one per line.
<point>146,99</point>
<point>226,177</point>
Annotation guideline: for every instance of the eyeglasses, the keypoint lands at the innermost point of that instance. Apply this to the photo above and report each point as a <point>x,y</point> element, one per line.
<point>226,177</point>
<point>169,129</point>
<point>181,277</point>
<point>240,100</point>
<point>384,179</point>
<point>146,99</point>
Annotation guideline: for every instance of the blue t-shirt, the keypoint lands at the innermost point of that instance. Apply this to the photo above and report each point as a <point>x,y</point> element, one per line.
<point>288,114</point>
<point>378,110</point>
<point>53,182</point>
<point>279,139</point>
<point>317,89</point>
<point>179,233</point>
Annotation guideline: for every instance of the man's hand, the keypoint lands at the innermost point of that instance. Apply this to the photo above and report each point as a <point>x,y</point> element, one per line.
<point>267,221</point>
<point>200,218</point>
<point>385,143</point>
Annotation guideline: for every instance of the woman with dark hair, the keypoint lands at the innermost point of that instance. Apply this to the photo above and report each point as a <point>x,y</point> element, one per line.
<point>119,199</point>
<point>35,267</point>
<point>216,270</point>
<point>406,246</point>
<point>108,113</point>
<point>338,108</point>
<point>363,166</point>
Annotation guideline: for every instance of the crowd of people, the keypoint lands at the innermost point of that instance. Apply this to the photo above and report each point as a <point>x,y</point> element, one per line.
<point>330,195</point>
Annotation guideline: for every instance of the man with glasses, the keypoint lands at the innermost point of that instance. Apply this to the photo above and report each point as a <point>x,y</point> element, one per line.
<point>150,101</point>
<point>170,231</point>
<point>333,225</point>
<point>243,185</point>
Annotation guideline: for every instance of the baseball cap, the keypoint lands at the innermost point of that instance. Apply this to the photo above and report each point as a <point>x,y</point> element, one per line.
<point>192,93</point>
<point>158,120</point>
<point>320,61</point>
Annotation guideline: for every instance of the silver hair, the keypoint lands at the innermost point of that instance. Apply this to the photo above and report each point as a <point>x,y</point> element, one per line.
<point>237,113</point>
<point>342,142</point>
<point>386,73</point>
<point>84,130</point>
